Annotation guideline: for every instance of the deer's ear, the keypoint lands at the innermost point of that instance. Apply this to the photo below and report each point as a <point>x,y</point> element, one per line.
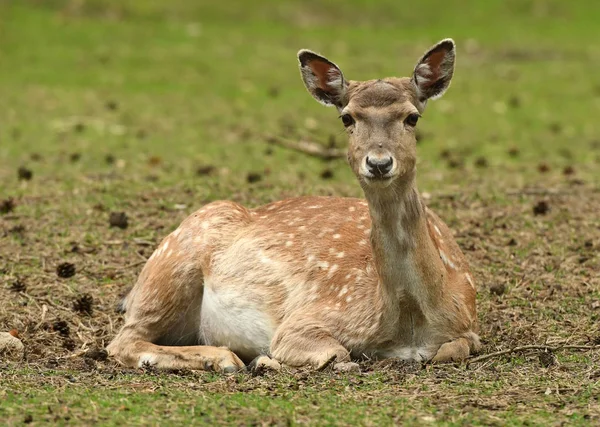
<point>434,70</point>
<point>323,79</point>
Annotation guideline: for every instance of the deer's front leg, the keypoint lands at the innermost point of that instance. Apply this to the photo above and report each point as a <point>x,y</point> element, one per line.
<point>136,352</point>
<point>305,341</point>
<point>458,350</point>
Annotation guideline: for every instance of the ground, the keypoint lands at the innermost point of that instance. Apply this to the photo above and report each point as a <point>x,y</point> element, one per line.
<point>121,118</point>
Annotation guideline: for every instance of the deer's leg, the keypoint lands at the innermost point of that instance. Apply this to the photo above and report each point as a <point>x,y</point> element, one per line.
<point>305,341</point>
<point>458,349</point>
<point>137,352</point>
<point>162,320</point>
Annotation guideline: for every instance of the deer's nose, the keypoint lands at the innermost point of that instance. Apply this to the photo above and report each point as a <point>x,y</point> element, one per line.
<point>379,166</point>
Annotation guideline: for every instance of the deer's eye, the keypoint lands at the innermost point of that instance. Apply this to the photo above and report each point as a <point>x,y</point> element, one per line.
<point>412,120</point>
<point>347,120</point>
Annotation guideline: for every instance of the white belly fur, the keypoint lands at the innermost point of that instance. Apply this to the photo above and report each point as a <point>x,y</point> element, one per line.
<point>229,319</point>
<point>419,354</point>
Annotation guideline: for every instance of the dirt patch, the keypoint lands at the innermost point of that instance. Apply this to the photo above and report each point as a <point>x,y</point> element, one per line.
<point>537,274</point>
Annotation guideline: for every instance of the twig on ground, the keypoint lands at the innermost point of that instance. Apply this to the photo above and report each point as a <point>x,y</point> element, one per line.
<point>133,264</point>
<point>126,267</point>
<point>47,301</point>
<point>139,255</point>
<point>143,242</point>
<point>532,347</point>
<point>536,192</point>
<point>308,147</point>
<point>328,363</point>
<point>12,216</point>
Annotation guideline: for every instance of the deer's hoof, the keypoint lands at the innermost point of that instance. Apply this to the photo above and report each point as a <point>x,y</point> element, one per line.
<point>262,364</point>
<point>346,367</point>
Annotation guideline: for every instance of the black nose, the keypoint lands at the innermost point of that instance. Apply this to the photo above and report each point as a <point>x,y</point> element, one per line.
<point>379,167</point>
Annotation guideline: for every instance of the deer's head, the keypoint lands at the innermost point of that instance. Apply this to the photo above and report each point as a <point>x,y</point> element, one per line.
<point>380,116</point>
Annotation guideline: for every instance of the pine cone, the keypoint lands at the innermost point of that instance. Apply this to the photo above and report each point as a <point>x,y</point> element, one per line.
<point>65,269</point>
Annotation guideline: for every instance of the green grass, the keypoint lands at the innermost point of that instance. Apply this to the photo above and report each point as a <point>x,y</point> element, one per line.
<point>374,399</point>
<point>114,106</point>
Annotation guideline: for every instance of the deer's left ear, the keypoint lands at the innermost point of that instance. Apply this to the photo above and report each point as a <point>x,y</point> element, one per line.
<point>434,70</point>
<point>323,79</point>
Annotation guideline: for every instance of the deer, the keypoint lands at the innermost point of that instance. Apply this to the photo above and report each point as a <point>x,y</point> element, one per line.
<point>311,281</point>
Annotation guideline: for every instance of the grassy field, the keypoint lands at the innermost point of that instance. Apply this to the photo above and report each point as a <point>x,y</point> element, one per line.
<point>155,108</point>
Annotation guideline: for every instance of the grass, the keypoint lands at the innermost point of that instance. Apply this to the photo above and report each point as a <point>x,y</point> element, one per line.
<point>156,108</point>
<point>389,395</point>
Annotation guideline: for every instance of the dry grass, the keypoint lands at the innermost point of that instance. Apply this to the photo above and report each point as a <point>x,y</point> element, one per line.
<point>97,125</point>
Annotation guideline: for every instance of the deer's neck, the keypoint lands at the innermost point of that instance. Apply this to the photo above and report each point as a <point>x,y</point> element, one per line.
<point>407,262</point>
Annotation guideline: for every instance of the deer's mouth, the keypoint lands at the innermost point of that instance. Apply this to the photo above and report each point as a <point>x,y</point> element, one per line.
<point>378,181</point>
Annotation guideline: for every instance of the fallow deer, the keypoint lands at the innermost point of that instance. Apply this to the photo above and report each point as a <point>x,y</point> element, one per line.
<point>311,280</point>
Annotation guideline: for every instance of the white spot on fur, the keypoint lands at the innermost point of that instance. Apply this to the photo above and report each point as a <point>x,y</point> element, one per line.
<point>323,264</point>
<point>302,227</point>
<point>470,280</point>
<point>205,225</point>
<point>263,258</point>
<point>314,207</point>
<point>362,242</point>
<point>169,253</point>
<point>351,209</point>
<point>340,254</point>
<point>176,232</point>
<point>344,291</point>
<point>289,243</point>
<point>337,236</point>
<point>447,260</point>
<point>437,230</point>
<point>348,298</point>
<point>332,270</point>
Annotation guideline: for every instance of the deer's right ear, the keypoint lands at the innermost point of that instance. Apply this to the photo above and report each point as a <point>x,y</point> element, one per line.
<point>323,79</point>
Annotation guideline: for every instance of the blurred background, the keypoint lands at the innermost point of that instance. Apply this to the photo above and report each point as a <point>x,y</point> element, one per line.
<point>120,118</point>
<point>165,88</point>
